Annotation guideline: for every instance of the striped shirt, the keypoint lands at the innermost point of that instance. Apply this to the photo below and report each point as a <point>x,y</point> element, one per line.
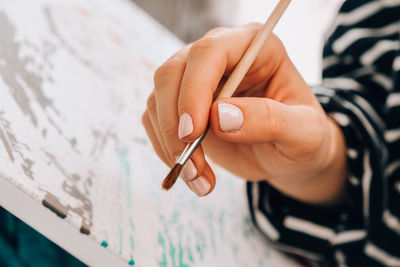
<point>360,90</point>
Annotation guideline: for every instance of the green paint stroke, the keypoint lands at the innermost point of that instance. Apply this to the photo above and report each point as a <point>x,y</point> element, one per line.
<point>200,243</point>
<point>180,253</point>
<point>221,223</point>
<point>161,242</point>
<point>131,262</point>
<point>188,249</point>
<point>235,250</point>
<point>126,173</point>
<point>104,244</point>
<point>172,251</point>
<point>120,241</point>
<point>175,217</point>
<point>190,255</point>
<point>212,233</point>
<point>131,223</point>
<point>132,243</point>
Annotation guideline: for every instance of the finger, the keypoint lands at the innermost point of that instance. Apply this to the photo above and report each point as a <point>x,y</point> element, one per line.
<point>167,82</point>
<point>152,114</point>
<point>260,120</point>
<point>207,61</point>
<point>154,139</point>
<point>203,184</point>
<point>194,166</point>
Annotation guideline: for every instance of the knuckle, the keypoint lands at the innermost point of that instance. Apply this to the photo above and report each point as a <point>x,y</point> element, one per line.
<point>166,70</point>
<point>275,126</point>
<point>168,128</point>
<point>276,45</point>
<point>317,140</point>
<point>162,72</point>
<point>151,102</point>
<point>205,44</point>
<point>145,118</point>
<point>216,30</point>
<point>256,25</point>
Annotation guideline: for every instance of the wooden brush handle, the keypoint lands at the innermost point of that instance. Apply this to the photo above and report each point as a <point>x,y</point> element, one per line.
<point>252,52</point>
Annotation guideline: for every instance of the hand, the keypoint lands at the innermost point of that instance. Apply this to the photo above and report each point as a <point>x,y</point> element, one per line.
<point>272,129</point>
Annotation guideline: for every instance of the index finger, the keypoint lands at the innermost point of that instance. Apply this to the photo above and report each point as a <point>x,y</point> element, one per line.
<point>209,59</point>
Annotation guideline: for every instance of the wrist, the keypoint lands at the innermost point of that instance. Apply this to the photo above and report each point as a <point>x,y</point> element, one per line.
<point>325,184</point>
<point>330,181</point>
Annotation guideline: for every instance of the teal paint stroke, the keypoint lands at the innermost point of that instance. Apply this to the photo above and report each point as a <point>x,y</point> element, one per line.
<point>212,232</point>
<point>175,251</point>
<point>131,223</point>
<point>161,242</point>
<point>180,255</point>
<point>200,244</point>
<point>175,217</point>
<point>131,262</point>
<point>221,224</point>
<point>120,240</point>
<point>188,249</point>
<point>132,242</point>
<point>105,241</point>
<point>180,248</point>
<point>125,174</point>
<point>171,251</point>
<point>247,227</point>
<point>190,255</point>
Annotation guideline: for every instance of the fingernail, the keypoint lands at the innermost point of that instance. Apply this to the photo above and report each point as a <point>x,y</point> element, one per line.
<point>230,117</point>
<point>185,125</point>
<point>200,186</point>
<point>189,171</point>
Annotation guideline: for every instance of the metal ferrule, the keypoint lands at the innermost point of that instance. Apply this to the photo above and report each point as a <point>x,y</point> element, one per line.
<point>189,149</point>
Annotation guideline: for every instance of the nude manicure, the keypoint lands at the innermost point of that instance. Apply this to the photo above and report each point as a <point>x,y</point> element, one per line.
<point>200,186</point>
<point>185,125</point>
<point>230,117</point>
<point>189,171</point>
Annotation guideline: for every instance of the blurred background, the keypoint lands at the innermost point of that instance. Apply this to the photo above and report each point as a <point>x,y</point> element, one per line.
<point>301,29</point>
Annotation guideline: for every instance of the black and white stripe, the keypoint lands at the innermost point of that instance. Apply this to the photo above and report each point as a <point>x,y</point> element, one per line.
<point>361,92</point>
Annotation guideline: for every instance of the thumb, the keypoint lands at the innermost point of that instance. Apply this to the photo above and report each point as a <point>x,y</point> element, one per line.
<point>252,120</point>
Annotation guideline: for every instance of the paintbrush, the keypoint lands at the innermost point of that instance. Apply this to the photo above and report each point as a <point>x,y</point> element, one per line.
<point>231,85</point>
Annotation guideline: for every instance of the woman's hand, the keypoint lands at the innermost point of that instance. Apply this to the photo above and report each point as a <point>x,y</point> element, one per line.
<point>272,129</point>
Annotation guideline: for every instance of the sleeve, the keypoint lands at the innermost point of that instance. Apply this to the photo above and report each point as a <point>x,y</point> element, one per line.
<point>361,92</point>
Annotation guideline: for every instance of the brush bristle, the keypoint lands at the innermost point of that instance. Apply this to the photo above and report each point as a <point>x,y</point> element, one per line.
<point>172,176</point>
